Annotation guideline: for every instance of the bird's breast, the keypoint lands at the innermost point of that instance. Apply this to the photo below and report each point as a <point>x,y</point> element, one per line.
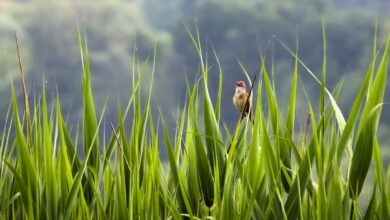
<point>239,101</point>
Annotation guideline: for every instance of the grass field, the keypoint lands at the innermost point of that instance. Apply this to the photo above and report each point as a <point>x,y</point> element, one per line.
<point>271,170</point>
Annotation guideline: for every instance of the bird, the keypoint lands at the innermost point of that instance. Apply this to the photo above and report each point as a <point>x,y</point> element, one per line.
<point>240,100</point>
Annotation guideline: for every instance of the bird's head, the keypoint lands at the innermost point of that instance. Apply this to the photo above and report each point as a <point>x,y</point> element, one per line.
<point>240,84</point>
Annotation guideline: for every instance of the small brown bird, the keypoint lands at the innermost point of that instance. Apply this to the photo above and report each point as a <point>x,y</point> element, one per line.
<point>240,99</point>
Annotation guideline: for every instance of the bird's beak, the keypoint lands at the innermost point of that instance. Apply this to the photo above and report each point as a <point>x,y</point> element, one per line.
<point>237,85</point>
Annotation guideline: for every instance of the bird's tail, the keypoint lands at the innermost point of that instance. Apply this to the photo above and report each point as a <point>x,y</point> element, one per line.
<point>250,117</point>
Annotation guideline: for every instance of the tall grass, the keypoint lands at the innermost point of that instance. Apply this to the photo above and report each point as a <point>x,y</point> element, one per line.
<point>271,171</point>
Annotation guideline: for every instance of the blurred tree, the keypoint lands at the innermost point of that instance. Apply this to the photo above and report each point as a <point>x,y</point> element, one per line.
<point>242,30</point>
<point>9,68</point>
<point>48,29</point>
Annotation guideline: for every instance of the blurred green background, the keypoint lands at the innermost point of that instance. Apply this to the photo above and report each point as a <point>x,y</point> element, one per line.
<point>237,30</point>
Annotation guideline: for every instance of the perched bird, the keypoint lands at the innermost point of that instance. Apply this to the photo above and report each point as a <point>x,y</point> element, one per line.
<point>240,100</point>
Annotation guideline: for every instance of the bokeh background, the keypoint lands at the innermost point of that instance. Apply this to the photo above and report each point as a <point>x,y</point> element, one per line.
<point>237,30</point>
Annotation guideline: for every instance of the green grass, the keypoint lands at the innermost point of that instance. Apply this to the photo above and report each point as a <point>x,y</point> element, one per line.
<point>271,171</point>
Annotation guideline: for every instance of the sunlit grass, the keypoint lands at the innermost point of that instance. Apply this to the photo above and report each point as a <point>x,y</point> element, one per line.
<point>271,170</point>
